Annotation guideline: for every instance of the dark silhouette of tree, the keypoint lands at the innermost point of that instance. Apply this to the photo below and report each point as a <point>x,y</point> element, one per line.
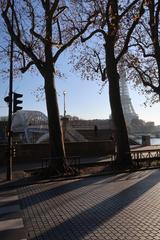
<point>105,46</point>
<point>144,57</point>
<point>42,31</point>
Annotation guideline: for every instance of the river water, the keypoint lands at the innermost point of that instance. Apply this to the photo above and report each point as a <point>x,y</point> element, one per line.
<point>154,141</point>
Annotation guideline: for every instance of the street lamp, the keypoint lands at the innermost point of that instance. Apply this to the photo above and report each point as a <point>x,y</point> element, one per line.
<point>64,102</point>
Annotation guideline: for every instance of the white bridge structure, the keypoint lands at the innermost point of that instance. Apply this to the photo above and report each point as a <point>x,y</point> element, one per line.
<point>29,126</point>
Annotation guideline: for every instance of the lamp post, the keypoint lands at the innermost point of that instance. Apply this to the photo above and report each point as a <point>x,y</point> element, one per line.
<point>10,154</point>
<point>64,102</point>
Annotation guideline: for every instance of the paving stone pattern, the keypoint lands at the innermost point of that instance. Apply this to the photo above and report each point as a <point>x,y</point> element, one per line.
<point>121,207</point>
<point>11,222</point>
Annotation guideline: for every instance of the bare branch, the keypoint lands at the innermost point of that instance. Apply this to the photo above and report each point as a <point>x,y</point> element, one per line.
<point>20,44</point>
<point>8,5</point>
<point>84,39</point>
<point>16,20</point>
<point>59,32</point>
<point>37,35</point>
<point>69,43</point>
<point>107,12</point>
<point>102,71</point>
<point>25,68</point>
<point>157,15</point>
<point>143,75</point>
<point>43,4</point>
<point>146,78</point>
<point>130,31</point>
<point>146,29</point>
<point>54,7</point>
<point>61,9</point>
<point>142,47</point>
<point>153,25</point>
<point>128,8</point>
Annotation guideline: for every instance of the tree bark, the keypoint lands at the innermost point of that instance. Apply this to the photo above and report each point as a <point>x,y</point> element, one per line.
<point>57,149</point>
<point>56,142</point>
<point>123,157</point>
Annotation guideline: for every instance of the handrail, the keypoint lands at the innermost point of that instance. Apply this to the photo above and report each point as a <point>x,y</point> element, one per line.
<point>140,154</point>
<point>146,157</point>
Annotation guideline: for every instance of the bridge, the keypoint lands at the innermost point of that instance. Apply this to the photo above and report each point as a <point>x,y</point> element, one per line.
<point>29,126</point>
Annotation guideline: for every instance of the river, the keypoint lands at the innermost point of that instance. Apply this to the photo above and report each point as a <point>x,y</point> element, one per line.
<point>154,141</point>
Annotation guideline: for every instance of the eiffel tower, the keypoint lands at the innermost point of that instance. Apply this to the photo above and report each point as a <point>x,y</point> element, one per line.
<point>128,110</point>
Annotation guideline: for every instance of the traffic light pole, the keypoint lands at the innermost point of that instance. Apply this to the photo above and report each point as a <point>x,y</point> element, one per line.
<point>10,153</point>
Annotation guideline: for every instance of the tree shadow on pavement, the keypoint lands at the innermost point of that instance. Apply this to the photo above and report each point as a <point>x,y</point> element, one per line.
<point>43,193</point>
<point>88,220</point>
<point>67,186</point>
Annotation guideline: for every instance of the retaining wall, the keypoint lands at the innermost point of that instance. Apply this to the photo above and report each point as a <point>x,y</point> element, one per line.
<point>35,152</point>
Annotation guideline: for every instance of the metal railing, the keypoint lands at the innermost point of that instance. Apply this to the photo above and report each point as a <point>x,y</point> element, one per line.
<point>148,157</point>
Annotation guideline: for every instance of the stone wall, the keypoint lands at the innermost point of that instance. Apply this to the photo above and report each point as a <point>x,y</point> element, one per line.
<point>35,152</point>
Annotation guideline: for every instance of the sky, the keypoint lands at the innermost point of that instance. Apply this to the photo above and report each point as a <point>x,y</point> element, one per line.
<point>82,96</point>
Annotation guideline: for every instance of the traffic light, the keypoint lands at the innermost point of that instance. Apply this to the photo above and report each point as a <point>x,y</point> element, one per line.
<point>6,99</point>
<point>16,101</point>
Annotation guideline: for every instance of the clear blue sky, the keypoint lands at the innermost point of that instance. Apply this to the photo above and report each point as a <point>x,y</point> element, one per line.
<point>82,96</point>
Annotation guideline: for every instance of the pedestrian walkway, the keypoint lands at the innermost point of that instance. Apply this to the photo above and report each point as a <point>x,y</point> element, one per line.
<point>121,207</point>
<point>11,222</point>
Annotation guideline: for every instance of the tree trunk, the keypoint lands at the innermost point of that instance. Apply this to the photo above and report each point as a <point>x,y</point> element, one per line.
<point>57,150</point>
<point>123,158</point>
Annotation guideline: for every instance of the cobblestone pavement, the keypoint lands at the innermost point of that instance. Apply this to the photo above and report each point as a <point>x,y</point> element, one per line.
<point>11,222</point>
<point>125,206</point>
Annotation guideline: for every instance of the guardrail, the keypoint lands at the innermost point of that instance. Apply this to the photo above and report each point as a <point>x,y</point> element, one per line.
<point>149,157</point>
<point>142,158</point>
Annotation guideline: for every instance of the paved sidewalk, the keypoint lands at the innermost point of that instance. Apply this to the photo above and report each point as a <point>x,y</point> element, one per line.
<point>121,207</point>
<point>11,222</point>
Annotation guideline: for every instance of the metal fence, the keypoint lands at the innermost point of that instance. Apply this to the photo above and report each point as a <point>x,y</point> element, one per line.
<point>148,158</point>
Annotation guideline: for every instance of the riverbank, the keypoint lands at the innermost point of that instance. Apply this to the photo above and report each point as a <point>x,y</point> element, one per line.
<point>154,141</point>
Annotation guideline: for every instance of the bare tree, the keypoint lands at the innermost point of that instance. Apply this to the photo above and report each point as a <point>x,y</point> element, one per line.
<point>144,57</point>
<point>42,31</point>
<point>105,46</point>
